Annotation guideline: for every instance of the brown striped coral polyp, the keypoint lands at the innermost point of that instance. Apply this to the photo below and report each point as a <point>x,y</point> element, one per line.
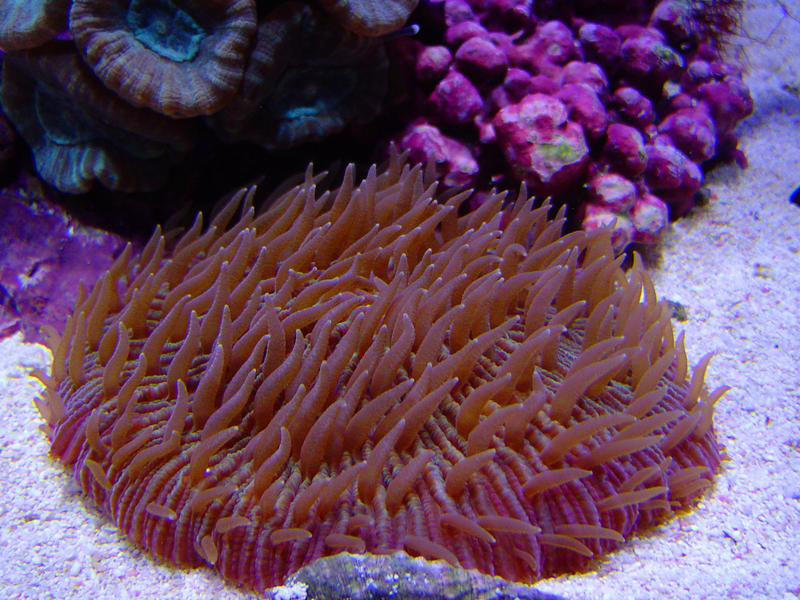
<point>373,370</point>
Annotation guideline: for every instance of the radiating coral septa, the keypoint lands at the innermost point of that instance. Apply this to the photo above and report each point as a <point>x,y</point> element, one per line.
<point>30,23</point>
<point>294,92</point>
<point>193,53</point>
<point>79,131</point>
<point>369,18</point>
<point>477,361</point>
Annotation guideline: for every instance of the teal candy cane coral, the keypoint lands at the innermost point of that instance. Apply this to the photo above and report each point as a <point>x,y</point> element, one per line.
<point>306,79</point>
<point>366,17</point>
<point>181,58</point>
<point>302,78</point>
<point>28,23</point>
<point>79,131</point>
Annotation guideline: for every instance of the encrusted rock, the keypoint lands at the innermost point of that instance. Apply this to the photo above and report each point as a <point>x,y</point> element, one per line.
<point>370,577</point>
<point>540,144</point>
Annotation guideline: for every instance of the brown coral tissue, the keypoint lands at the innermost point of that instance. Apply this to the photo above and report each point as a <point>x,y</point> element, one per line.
<point>374,370</point>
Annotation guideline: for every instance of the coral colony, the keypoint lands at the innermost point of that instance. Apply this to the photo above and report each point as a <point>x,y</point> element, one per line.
<point>127,94</point>
<point>477,389</point>
<point>411,364</point>
<point>612,108</point>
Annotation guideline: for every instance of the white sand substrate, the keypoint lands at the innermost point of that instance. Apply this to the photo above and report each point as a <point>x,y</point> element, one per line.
<point>735,266</point>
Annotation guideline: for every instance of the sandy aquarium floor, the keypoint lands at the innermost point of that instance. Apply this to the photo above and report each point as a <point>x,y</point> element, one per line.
<point>735,266</point>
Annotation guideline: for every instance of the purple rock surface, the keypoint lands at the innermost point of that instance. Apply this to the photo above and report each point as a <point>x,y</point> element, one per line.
<point>624,150</point>
<point>45,255</point>
<point>454,162</point>
<point>559,95</point>
<point>455,100</point>
<point>544,149</point>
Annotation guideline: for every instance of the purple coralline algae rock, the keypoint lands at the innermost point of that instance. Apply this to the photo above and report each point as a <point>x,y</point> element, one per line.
<point>457,11</point>
<point>691,130</point>
<point>518,83</point>
<point>600,44</point>
<point>612,191</point>
<point>481,61</point>
<point>45,257</point>
<point>672,176</point>
<point>634,216</point>
<point>632,107</point>
<point>455,165</point>
<point>585,108</point>
<point>637,91</point>
<point>624,150</point>
<point>587,73</point>
<point>512,15</point>
<point>728,100</point>
<point>649,217</point>
<point>649,60</point>
<point>674,19</point>
<point>455,100</point>
<point>552,45</point>
<point>545,149</point>
<point>461,32</point>
<point>433,63</point>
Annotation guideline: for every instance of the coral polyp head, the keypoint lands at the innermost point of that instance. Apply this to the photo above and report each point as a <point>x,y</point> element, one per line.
<point>179,57</point>
<point>468,387</point>
<point>295,92</point>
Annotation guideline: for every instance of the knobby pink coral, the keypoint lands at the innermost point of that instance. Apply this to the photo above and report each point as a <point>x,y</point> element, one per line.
<point>367,371</point>
<point>558,93</point>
